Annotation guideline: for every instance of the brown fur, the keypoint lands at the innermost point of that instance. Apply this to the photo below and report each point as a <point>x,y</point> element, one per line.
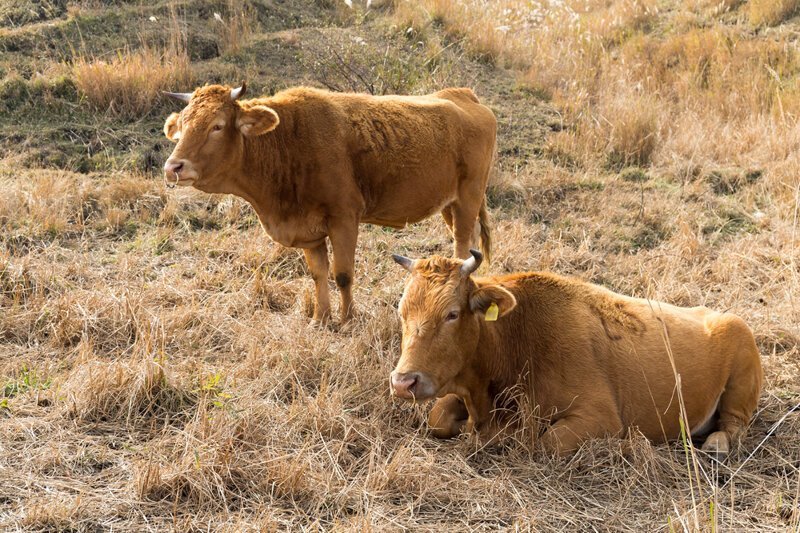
<point>316,164</point>
<point>596,361</point>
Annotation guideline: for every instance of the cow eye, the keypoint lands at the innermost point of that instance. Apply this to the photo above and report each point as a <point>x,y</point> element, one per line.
<point>452,315</point>
<point>217,127</point>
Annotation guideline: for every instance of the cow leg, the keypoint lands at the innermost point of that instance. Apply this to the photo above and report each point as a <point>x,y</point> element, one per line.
<point>448,417</point>
<point>317,260</point>
<point>742,390</point>
<point>343,240</point>
<point>734,415</point>
<point>465,217</point>
<point>482,418</point>
<point>447,215</point>
<point>479,406</point>
<point>566,434</point>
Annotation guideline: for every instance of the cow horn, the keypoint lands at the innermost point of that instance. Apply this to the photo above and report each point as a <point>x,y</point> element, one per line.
<point>181,97</point>
<point>471,264</point>
<point>404,261</point>
<point>239,92</point>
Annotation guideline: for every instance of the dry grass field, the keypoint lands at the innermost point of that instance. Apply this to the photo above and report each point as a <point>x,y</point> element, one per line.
<point>158,370</point>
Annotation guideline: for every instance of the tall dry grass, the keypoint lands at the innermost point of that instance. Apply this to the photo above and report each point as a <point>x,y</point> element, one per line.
<point>771,12</point>
<point>234,27</point>
<point>186,383</point>
<point>129,84</point>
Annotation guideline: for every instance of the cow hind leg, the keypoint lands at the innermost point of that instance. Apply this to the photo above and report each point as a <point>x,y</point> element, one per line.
<point>485,231</point>
<point>736,407</point>
<point>465,228</point>
<point>448,417</point>
<point>742,390</point>
<point>447,215</point>
<point>567,434</point>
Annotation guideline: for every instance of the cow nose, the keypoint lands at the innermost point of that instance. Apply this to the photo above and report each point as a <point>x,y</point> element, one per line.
<point>173,165</point>
<point>403,384</point>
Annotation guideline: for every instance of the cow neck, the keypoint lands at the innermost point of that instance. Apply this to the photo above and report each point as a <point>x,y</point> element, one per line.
<point>517,344</point>
<point>264,179</point>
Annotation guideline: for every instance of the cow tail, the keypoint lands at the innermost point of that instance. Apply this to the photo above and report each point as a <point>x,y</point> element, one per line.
<point>486,232</point>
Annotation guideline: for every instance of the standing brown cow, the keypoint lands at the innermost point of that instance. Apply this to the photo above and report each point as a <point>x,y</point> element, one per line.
<point>596,362</point>
<point>316,164</point>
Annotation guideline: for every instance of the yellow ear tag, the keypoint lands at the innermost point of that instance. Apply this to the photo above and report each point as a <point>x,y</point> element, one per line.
<point>491,313</point>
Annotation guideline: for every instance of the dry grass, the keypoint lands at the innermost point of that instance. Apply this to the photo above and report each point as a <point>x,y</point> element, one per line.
<point>638,85</point>
<point>187,381</point>
<point>159,370</point>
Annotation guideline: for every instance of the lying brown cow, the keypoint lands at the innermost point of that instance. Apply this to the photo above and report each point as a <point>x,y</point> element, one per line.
<point>315,164</point>
<point>596,362</point>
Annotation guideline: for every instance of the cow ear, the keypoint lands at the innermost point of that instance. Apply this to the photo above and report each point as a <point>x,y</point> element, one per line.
<point>257,120</point>
<point>171,128</point>
<point>482,299</point>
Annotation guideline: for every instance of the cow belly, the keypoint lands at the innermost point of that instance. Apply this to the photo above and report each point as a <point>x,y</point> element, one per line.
<point>308,232</point>
<point>400,194</point>
<point>399,215</point>
<point>398,206</point>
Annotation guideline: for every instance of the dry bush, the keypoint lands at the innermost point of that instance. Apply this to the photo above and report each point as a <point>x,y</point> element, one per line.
<point>129,84</point>
<point>619,20</point>
<point>50,202</point>
<point>412,17</point>
<point>17,283</point>
<point>54,514</point>
<point>479,26</point>
<point>706,87</point>
<point>718,6</point>
<point>99,392</point>
<point>771,12</point>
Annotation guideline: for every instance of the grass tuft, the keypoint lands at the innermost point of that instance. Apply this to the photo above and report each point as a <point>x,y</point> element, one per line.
<point>129,84</point>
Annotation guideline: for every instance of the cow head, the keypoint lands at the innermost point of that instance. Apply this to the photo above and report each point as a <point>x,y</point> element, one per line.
<point>441,311</point>
<point>210,133</point>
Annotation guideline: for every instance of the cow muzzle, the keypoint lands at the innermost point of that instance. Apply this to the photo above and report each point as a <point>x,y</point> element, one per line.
<point>414,386</point>
<point>178,172</point>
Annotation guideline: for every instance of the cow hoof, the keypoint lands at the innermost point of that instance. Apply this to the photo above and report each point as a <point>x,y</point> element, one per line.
<point>717,445</point>
<point>320,323</point>
<point>347,323</point>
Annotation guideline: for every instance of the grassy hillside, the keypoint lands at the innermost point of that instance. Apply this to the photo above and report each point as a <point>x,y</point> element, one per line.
<point>157,366</point>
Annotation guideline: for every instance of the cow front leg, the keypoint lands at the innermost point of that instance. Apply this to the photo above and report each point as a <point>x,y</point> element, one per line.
<point>343,235</point>
<point>489,424</point>
<point>317,260</point>
<point>479,407</point>
<point>448,417</point>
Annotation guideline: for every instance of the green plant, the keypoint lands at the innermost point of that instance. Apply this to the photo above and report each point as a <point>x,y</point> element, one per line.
<point>212,387</point>
<point>26,380</point>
